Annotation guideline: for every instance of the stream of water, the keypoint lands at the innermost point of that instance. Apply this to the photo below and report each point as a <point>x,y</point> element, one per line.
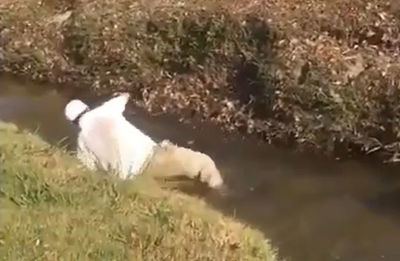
<point>311,209</point>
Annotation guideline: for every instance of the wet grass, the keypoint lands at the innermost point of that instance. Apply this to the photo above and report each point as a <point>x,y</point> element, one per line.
<point>53,209</point>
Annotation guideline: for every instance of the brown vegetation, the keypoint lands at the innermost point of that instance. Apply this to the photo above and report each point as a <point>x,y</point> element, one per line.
<point>322,74</point>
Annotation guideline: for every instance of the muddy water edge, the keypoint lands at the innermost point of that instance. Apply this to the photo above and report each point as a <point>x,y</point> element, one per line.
<point>311,209</point>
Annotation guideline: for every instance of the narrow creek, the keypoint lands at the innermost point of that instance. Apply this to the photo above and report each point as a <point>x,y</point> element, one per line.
<point>311,209</point>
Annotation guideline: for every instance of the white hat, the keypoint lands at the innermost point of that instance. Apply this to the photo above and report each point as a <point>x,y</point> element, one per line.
<point>74,109</point>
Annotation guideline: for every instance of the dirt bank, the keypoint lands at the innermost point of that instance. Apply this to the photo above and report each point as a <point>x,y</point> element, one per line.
<point>321,75</point>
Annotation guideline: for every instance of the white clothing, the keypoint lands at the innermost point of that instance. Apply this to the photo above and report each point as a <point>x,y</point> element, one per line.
<point>107,140</point>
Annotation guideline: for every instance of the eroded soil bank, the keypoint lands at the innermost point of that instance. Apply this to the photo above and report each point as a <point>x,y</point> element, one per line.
<point>321,75</point>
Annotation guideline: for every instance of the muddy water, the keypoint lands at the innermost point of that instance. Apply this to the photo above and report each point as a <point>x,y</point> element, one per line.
<point>311,209</point>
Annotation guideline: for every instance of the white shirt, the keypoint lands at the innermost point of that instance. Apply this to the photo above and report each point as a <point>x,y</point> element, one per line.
<point>107,140</point>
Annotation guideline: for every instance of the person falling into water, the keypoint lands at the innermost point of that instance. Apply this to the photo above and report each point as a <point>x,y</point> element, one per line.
<point>108,141</point>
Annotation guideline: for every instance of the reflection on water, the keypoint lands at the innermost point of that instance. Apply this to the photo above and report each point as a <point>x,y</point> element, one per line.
<point>310,209</point>
<point>35,108</point>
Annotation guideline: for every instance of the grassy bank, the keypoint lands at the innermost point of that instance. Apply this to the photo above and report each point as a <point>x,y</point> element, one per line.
<point>321,74</point>
<point>51,209</point>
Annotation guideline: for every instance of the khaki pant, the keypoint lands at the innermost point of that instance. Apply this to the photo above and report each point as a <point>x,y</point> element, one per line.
<point>170,160</point>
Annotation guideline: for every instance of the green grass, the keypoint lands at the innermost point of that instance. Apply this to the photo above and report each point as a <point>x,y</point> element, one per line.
<point>53,209</point>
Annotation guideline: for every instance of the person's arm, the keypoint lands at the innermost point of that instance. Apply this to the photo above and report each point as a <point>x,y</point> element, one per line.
<point>85,156</point>
<point>117,104</point>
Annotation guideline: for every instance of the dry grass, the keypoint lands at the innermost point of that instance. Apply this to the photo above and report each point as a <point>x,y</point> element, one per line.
<point>51,209</point>
<point>316,73</point>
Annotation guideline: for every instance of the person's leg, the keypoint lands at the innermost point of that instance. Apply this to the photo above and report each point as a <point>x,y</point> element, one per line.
<point>170,160</point>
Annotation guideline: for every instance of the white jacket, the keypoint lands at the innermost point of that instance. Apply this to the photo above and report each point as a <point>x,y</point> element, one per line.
<point>107,140</point>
